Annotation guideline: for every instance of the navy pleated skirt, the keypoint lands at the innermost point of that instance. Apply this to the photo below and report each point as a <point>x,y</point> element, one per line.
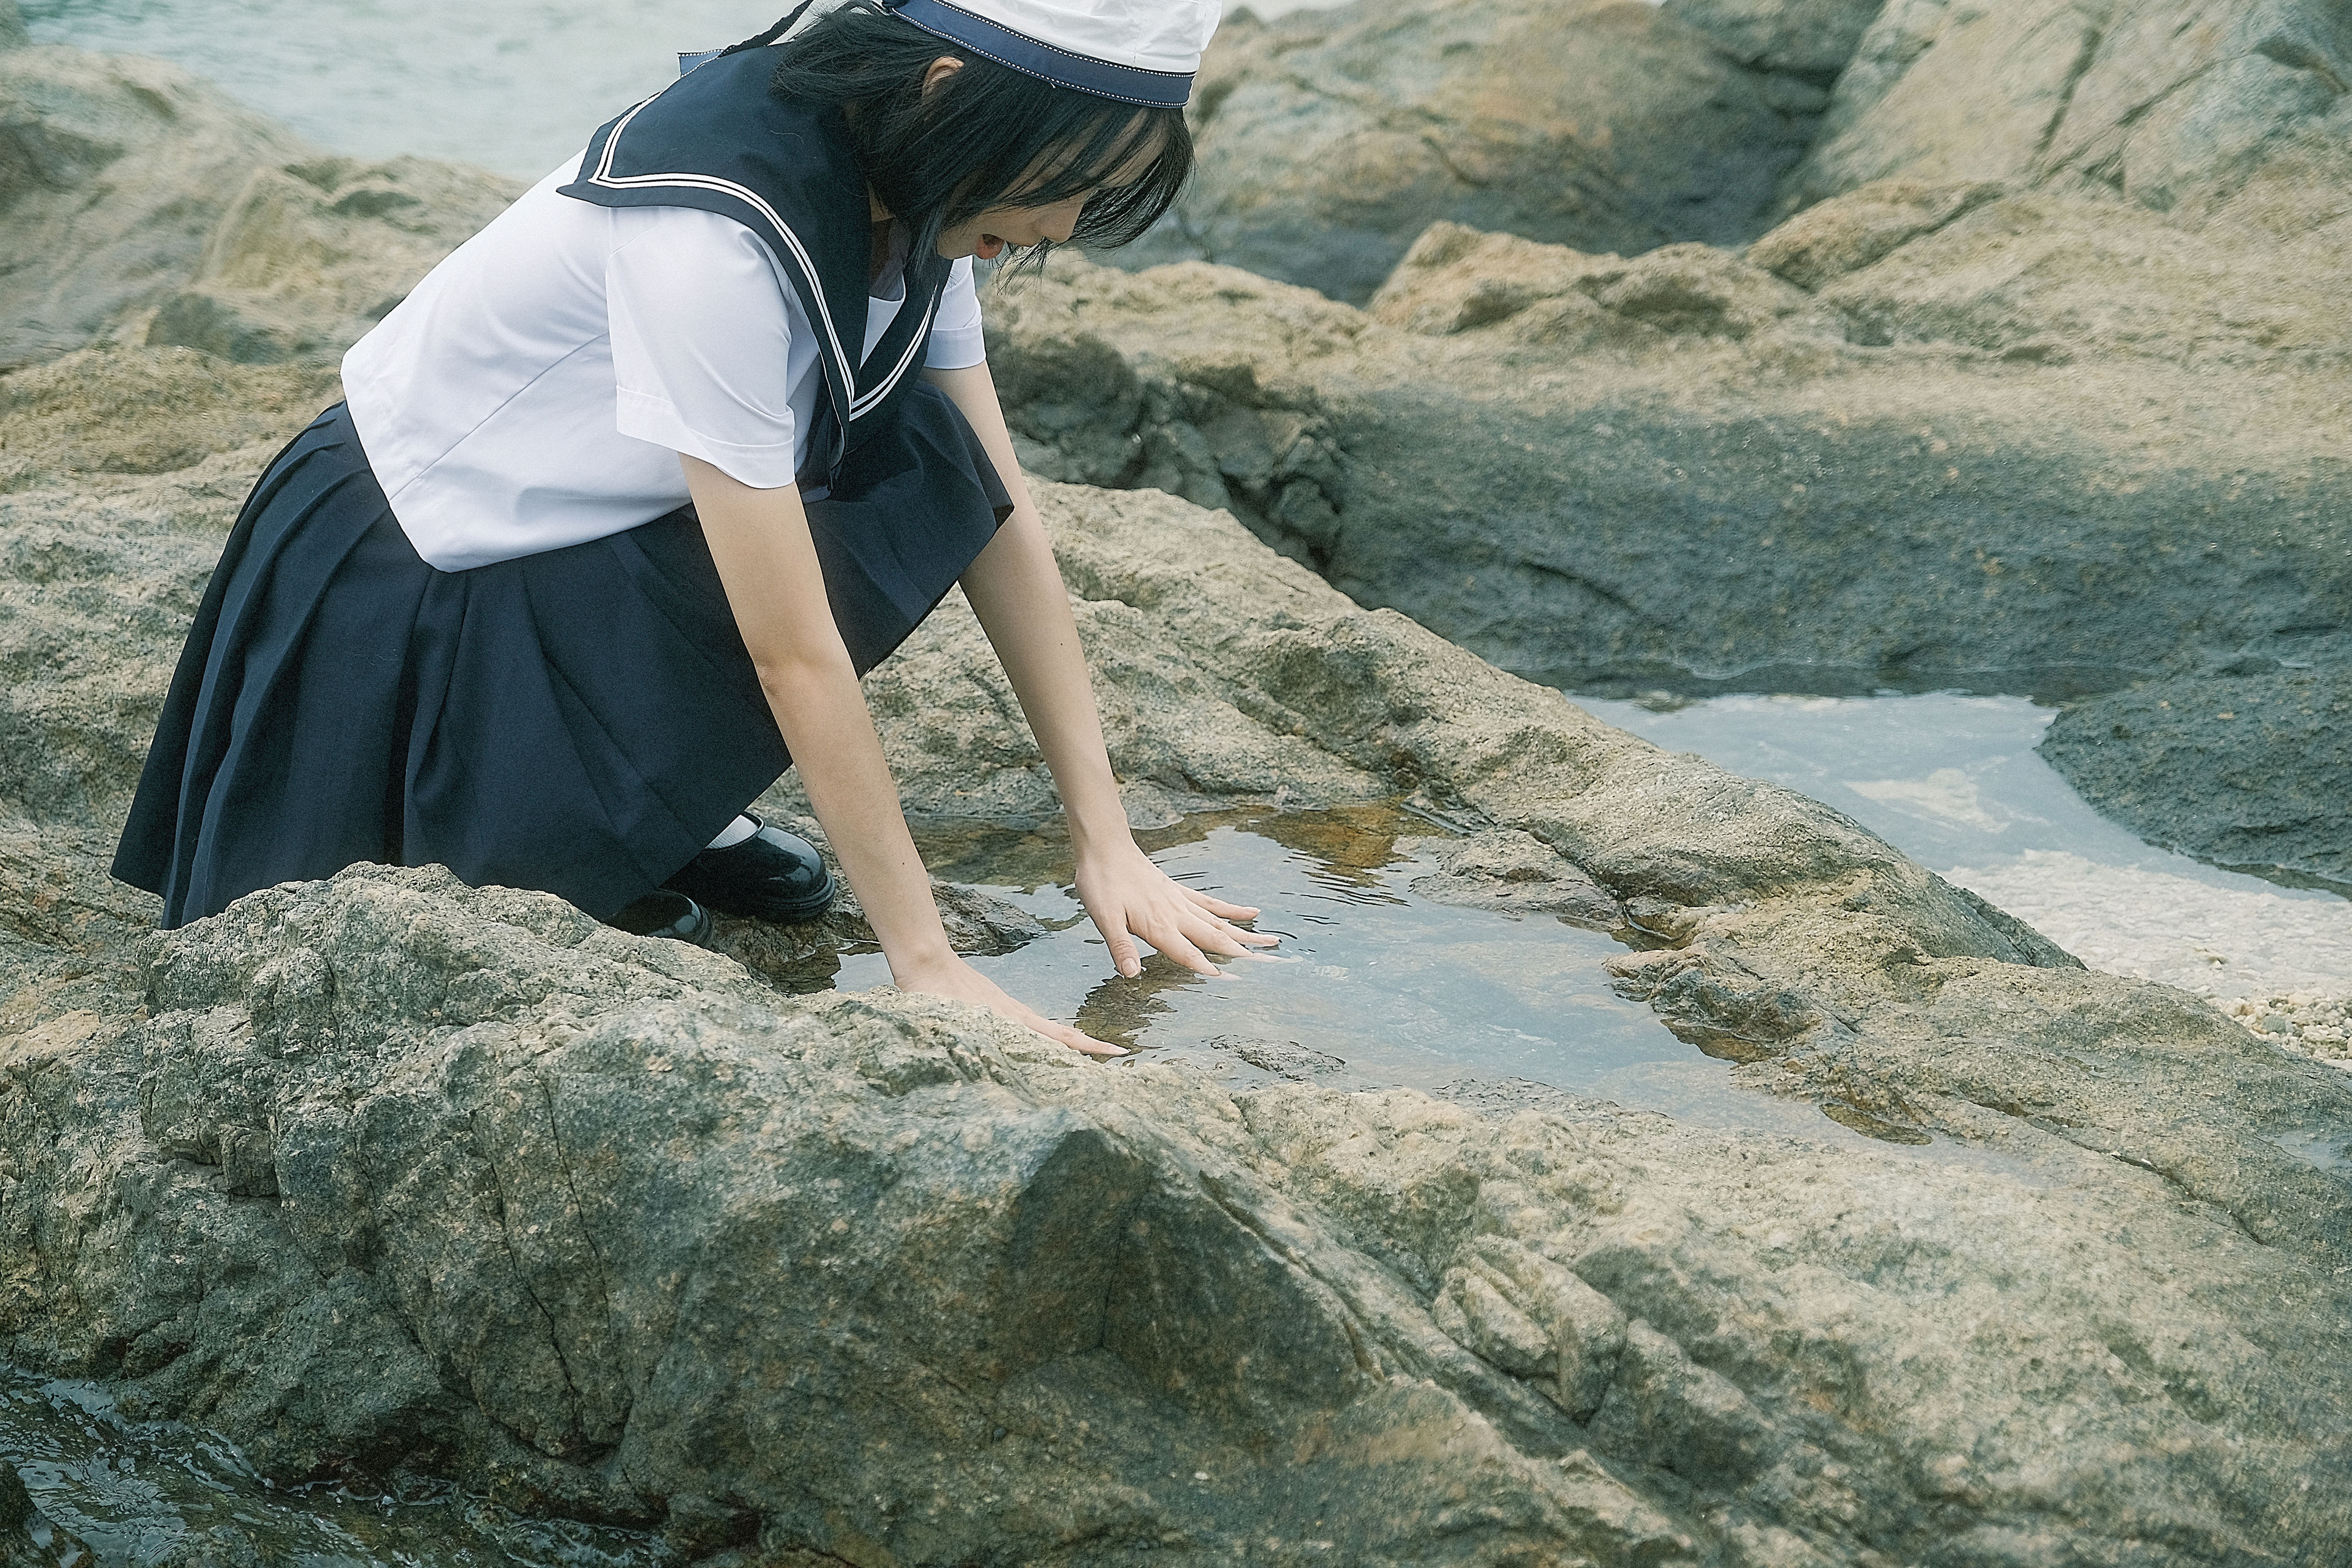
<point>580,721</point>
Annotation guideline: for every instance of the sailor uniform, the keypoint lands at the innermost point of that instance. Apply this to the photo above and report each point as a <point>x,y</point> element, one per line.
<point>469,619</point>
<point>536,390</point>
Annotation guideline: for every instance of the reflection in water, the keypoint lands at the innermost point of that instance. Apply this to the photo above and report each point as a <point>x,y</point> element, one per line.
<point>1373,984</point>
<point>146,1492</point>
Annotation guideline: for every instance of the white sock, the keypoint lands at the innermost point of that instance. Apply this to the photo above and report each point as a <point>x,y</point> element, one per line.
<point>734,833</point>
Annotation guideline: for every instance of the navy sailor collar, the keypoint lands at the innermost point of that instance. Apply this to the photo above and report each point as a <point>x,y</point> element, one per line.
<point>719,139</point>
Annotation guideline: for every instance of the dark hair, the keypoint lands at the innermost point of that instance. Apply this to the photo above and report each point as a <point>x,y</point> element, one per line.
<point>974,142</point>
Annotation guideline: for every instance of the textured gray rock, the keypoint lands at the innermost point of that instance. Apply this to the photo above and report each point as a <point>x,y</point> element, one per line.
<point>1517,873</point>
<point>311,255</point>
<point>143,204</point>
<point>2045,277</point>
<point>1810,39</point>
<point>110,410</point>
<point>1825,242</point>
<point>391,1172</point>
<point>1330,139</point>
<point>2191,107</point>
<point>2022,447</point>
<point>1456,280</point>
<point>112,172</point>
<point>374,1182</point>
<point>2251,771</point>
<point>100,582</point>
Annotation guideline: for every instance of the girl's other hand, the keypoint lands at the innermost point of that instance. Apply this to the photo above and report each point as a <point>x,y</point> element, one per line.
<point>1129,896</point>
<point>952,977</point>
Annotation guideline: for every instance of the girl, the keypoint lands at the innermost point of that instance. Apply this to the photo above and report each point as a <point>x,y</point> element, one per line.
<point>632,490</point>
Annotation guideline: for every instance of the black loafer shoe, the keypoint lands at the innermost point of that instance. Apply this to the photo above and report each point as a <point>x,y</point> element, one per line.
<point>772,875</point>
<point>664,913</point>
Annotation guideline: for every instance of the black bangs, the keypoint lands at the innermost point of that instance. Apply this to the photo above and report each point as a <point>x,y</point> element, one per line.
<point>986,137</point>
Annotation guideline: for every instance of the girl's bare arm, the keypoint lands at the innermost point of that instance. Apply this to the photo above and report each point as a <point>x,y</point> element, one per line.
<point>759,541</point>
<point>1016,591</point>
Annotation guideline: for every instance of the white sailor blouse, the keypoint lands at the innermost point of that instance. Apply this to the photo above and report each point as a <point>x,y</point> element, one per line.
<point>536,390</point>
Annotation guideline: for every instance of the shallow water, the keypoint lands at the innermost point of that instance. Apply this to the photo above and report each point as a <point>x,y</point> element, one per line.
<point>1953,781</point>
<point>517,86</point>
<point>1373,983</point>
<point>141,1493</point>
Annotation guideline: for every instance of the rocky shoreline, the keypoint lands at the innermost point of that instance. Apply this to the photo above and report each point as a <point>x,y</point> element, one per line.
<point>387,1174</point>
<point>2004,352</point>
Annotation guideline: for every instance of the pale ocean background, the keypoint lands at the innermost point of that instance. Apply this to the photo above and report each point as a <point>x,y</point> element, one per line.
<point>512,85</point>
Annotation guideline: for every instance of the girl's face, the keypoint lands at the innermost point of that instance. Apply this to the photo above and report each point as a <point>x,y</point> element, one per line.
<point>1009,228</point>
<point>998,229</point>
<point>989,235</point>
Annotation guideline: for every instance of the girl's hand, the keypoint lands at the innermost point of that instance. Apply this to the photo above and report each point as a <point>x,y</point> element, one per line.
<point>952,977</point>
<point>1129,896</point>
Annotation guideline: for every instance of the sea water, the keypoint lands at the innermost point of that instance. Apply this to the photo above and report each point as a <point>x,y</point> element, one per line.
<point>1955,782</point>
<point>515,86</point>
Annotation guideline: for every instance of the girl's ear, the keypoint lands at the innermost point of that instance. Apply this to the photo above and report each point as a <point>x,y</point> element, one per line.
<point>941,69</point>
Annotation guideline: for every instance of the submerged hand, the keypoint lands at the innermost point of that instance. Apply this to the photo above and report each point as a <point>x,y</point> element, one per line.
<point>952,977</point>
<point>1129,896</point>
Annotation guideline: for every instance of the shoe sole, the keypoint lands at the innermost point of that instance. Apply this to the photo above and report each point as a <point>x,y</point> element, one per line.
<point>807,910</point>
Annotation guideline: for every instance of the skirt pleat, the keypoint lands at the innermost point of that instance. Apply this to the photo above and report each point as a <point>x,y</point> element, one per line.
<point>580,721</point>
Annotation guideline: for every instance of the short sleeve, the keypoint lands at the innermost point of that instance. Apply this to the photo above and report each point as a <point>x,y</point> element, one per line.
<point>702,339</point>
<point>956,331</point>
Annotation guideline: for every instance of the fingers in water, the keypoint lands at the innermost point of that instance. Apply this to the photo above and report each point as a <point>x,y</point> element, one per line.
<point>1221,909</point>
<point>1063,1035</point>
<point>1233,942</point>
<point>1172,945</point>
<point>1124,956</point>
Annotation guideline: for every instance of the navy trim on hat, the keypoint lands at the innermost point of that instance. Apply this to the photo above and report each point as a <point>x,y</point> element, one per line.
<point>1124,84</point>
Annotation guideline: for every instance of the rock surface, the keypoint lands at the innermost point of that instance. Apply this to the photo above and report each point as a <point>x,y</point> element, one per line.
<point>1517,873</point>
<point>386,1173</point>
<point>112,410</point>
<point>2098,244</point>
<point>371,1186</point>
<point>113,171</point>
<point>368,1181</point>
<point>143,203</point>
<point>1920,435</point>
<point>311,255</point>
<point>2195,108</point>
<point>1812,40</point>
<point>2014,473</point>
<point>1330,139</point>
<point>2252,771</point>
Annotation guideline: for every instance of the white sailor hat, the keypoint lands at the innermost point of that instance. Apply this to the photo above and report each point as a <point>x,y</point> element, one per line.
<point>1136,51</point>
